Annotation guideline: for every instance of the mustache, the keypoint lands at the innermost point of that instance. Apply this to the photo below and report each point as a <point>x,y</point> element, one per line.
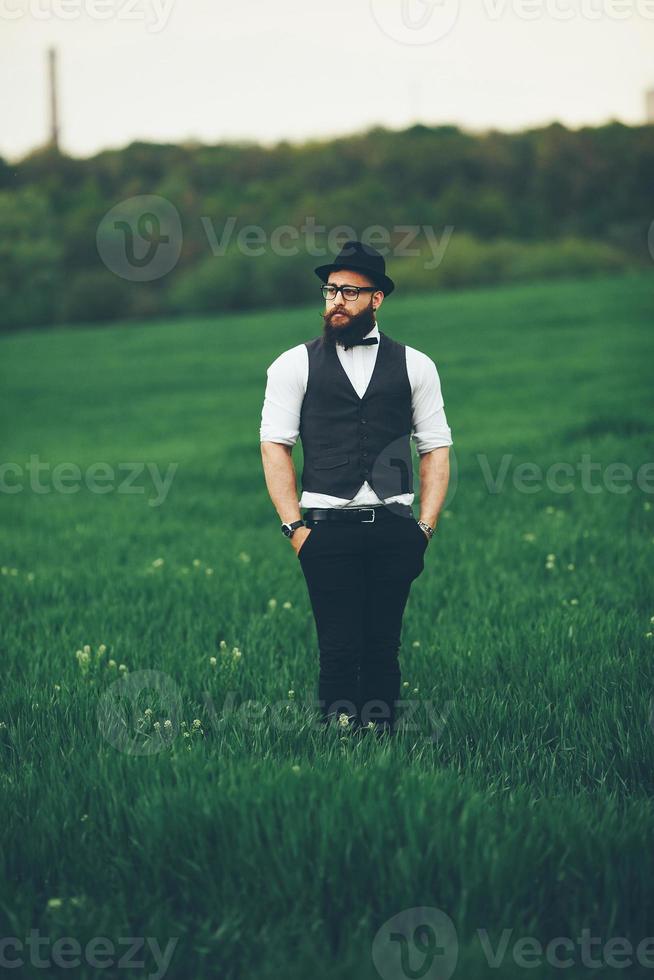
<point>357,325</point>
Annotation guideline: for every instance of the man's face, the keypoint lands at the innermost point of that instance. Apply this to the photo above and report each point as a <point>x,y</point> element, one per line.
<point>349,320</point>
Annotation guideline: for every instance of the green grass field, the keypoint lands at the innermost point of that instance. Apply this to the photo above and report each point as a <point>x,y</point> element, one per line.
<point>268,848</point>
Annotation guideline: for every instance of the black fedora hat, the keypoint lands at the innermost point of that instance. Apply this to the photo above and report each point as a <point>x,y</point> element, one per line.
<point>362,258</point>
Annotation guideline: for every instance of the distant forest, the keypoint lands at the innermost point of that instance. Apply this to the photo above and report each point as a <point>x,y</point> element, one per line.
<point>457,209</point>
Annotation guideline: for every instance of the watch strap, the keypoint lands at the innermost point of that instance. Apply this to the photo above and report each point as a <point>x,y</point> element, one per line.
<point>293,525</point>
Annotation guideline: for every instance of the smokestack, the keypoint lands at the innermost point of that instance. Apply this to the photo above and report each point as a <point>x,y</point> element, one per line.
<point>649,106</point>
<point>52,83</point>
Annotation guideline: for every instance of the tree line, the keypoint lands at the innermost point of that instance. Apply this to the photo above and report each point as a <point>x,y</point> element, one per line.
<point>244,225</point>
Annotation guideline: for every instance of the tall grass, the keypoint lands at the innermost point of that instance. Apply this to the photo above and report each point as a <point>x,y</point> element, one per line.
<point>268,847</point>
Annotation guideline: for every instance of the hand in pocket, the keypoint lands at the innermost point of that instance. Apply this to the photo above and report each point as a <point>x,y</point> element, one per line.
<point>301,541</point>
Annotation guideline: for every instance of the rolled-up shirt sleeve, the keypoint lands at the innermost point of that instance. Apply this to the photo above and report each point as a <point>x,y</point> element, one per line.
<point>429,426</point>
<point>282,403</point>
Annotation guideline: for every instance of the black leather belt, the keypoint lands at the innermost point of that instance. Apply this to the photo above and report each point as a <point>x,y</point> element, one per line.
<point>357,515</point>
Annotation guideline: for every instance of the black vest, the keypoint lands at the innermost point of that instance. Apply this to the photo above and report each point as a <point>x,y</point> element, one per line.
<point>347,439</point>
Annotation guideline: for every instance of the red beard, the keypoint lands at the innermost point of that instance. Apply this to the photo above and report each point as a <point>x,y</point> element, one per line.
<point>349,328</point>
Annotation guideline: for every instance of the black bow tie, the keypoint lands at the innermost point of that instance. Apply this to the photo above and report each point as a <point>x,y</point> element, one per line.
<point>366,340</point>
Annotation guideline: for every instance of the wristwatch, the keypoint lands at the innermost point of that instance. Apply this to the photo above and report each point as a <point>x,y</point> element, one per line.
<point>426,527</point>
<point>289,529</point>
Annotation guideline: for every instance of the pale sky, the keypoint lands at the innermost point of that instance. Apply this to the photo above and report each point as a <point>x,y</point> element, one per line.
<point>214,70</point>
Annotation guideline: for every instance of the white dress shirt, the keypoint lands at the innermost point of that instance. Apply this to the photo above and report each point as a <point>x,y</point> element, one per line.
<point>286,387</point>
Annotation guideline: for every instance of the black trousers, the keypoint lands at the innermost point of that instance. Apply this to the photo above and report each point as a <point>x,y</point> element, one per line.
<point>358,577</point>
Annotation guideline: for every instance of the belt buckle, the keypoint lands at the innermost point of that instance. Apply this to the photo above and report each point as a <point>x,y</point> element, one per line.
<point>371,521</point>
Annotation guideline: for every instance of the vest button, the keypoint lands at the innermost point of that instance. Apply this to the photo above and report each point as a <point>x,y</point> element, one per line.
<point>363,421</point>
<point>364,454</point>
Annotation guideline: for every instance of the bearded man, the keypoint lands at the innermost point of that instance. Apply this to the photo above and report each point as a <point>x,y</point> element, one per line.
<point>356,397</point>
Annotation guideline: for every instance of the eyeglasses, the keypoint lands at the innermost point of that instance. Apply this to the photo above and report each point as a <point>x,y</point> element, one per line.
<point>349,293</point>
